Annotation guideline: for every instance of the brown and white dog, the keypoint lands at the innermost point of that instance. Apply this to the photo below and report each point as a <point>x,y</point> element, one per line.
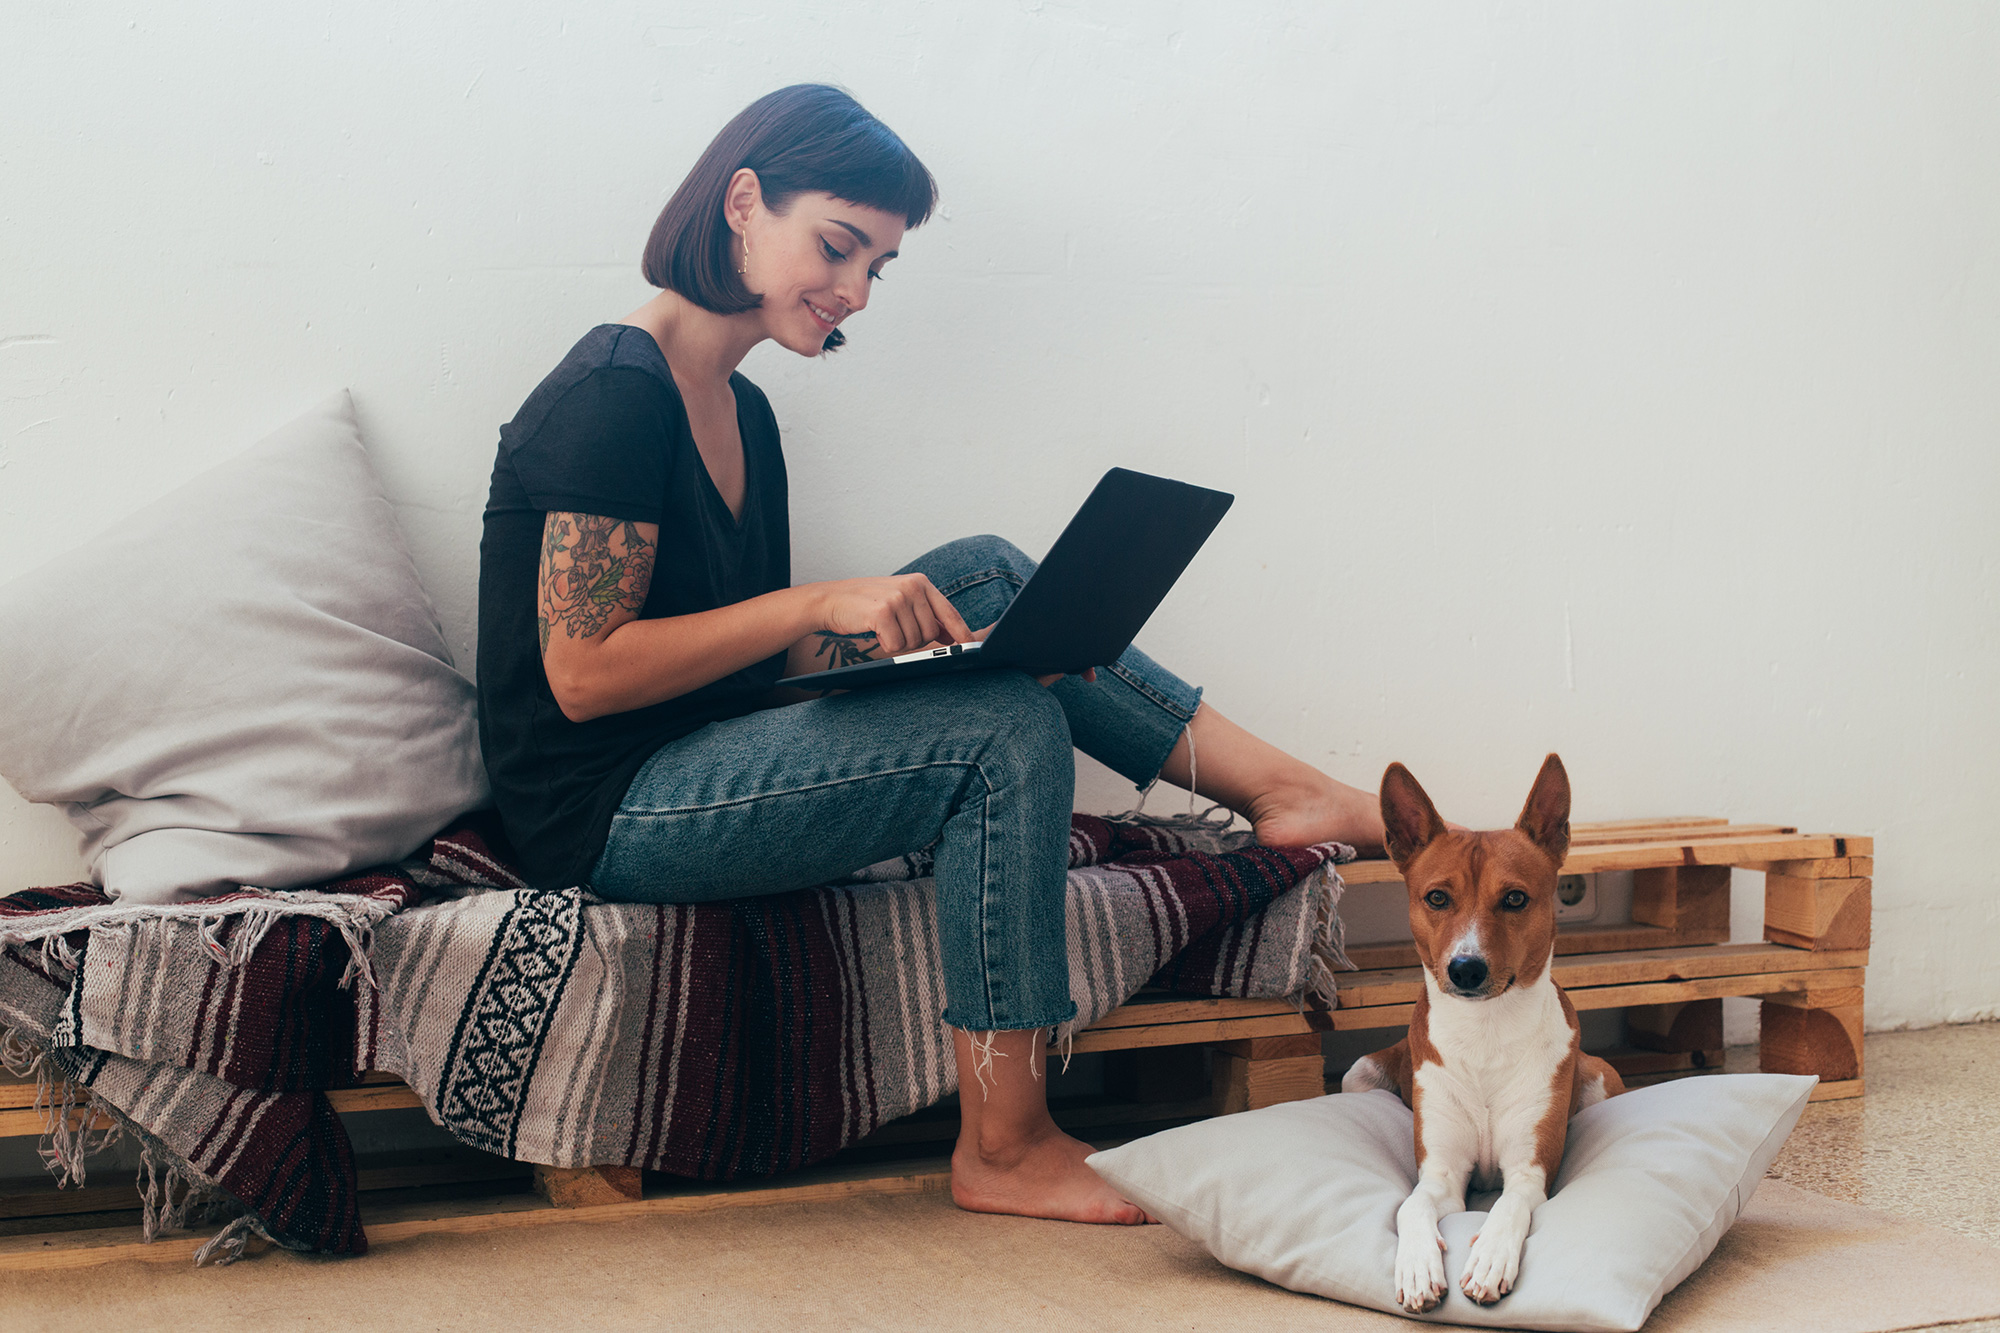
<point>1491,1065</point>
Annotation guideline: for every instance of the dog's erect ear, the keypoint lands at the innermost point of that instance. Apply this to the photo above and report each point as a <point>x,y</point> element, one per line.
<point>1410,822</point>
<point>1545,818</point>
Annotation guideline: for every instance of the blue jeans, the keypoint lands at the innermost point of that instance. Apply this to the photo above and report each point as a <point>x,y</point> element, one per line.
<point>977,763</point>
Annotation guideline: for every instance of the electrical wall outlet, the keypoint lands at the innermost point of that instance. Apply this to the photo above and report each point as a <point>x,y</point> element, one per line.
<point>1576,898</point>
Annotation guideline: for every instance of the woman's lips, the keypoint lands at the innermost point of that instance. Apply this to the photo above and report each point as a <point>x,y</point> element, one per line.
<point>825,317</point>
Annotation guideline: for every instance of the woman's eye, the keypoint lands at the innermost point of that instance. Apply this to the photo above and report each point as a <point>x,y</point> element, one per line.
<point>1438,898</point>
<point>826,248</point>
<point>873,276</point>
<point>1514,900</point>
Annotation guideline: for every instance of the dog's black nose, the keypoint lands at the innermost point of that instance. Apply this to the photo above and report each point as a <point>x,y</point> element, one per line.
<point>1466,973</point>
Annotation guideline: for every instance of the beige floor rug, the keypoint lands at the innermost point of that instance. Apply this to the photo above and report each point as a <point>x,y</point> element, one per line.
<point>1795,1261</point>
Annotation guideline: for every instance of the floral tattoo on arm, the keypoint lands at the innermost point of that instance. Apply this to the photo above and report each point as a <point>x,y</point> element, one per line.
<point>592,569</point>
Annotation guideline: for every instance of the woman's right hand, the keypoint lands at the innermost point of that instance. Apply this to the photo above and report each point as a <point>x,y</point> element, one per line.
<point>896,614</point>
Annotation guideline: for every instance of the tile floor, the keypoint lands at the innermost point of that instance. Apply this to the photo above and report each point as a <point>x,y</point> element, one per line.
<point>1924,1143</point>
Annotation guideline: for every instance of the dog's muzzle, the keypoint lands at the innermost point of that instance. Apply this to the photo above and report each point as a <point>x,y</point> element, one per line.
<point>1468,975</point>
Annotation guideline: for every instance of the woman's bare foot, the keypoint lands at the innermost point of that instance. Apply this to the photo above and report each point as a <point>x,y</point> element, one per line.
<point>1298,815</point>
<point>1044,1176</point>
<point>1287,801</point>
<point>1011,1158</point>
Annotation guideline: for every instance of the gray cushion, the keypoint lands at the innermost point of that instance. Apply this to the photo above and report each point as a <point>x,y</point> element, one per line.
<point>242,683</point>
<point>1305,1195</point>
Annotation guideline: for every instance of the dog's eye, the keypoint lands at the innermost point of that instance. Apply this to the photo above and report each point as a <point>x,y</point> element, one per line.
<point>1514,900</point>
<point>1438,898</point>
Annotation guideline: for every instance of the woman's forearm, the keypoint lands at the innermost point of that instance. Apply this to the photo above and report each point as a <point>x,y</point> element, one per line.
<point>645,662</point>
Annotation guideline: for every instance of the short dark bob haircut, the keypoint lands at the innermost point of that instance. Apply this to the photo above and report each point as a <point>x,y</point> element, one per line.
<point>805,137</point>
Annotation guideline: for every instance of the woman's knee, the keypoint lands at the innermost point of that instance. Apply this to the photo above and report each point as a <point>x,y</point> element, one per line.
<point>968,556</point>
<point>1029,731</point>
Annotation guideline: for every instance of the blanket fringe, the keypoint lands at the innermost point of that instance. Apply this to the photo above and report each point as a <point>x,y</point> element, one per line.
<point>160,1210</point>
<point>354,916</point>
<point>228,1244</point>
<point>18,1056</point>
<point>68,1141</point>
<point>1329,937</point>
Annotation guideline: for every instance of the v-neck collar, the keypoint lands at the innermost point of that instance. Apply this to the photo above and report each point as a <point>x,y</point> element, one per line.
<point>713,491</point>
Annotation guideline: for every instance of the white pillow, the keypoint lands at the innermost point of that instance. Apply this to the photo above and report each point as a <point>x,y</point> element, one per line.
<point>1305,1195</point>
<point>241,683</point>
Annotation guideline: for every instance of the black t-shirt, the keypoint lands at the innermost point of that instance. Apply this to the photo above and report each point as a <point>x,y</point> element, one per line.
<point>606,434</point>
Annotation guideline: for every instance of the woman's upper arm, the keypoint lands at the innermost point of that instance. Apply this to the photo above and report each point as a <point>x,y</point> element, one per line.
<point>594,576</point>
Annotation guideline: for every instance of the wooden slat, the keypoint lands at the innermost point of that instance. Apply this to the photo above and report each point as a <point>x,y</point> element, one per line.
<point>1146,1011</point>
<point>1666,822</point>
<point>1732,845</point>
<point>21,1124</point>
<point>1679,836</point>
<point>1174,1034</point>
<point>381,1097</point>
<point>1402,985</point>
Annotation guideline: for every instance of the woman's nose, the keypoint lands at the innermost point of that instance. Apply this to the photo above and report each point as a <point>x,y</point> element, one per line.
<point>853,293</point>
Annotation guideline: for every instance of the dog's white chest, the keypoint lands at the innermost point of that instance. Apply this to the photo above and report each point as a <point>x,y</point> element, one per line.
<point>1484,1105</point>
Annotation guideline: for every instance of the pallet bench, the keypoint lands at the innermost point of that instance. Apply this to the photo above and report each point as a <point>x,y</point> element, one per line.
<point>1176,1058</point>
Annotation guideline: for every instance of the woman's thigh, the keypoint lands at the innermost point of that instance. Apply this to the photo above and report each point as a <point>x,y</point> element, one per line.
<point>795,796</point>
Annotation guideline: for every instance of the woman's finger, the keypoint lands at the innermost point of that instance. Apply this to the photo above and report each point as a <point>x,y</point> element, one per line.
<point>906,627</point>
<point>951,625</point>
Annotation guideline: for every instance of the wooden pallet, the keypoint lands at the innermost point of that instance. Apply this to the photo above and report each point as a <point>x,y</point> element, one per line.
<point>1181,1057</point>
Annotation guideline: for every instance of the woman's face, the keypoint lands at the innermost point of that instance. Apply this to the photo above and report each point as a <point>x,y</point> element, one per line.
<point>813,263</point>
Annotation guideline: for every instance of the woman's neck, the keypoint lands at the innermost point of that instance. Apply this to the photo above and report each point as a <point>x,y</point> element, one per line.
<point>702,348</point>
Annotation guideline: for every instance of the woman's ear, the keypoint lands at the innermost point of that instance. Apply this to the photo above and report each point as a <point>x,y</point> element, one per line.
<point>742,199</point>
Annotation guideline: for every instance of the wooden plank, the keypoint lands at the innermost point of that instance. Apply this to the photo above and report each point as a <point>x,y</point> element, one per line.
<point>1837,998</point>
<point>1403,985</point>
<point>378,1097</point>
<point>1710,988</point>
<point>1677,836</point>
<point>22,1124</point>
<point>1833,1090</point>
<point>1717,852</point>
<point>1722,847</point>
<point>1174,1034</point>
<point>1668,822</point>
<point>1147,1011</point>
<point>587,1186</point>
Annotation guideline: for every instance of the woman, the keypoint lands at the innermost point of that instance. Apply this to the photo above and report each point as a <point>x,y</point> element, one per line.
<point>637,619</point>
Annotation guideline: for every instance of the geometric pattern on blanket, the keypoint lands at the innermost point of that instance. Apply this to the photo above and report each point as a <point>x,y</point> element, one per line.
<point>713,1040</point>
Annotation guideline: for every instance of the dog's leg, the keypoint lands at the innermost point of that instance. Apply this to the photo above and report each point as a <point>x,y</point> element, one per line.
<point>1420,1278</point>
<point>1388,1069</point>
<point>1495,1261</point>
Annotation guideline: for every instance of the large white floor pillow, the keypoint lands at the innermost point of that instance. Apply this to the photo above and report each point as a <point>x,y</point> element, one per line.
<point>243,683</point>
<point>1305,1195</point>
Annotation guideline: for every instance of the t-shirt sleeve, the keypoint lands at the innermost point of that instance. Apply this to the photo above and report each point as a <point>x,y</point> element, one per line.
<point>602,449</point>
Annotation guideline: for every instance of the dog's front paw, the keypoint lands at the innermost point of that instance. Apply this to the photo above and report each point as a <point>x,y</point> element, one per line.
<point>1419,1271</point>
<point>1493,1265</point>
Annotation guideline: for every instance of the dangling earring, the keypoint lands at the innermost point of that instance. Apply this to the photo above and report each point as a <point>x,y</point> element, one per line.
<point>743,268</point>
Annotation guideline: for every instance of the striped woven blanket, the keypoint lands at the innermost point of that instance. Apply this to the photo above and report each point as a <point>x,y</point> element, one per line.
<point>709,1041</point>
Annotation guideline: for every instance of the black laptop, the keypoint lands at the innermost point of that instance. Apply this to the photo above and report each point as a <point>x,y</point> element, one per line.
<point>1088,598</point>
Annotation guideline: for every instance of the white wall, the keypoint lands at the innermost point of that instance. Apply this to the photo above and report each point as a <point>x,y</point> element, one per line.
<point>1611,379</point>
